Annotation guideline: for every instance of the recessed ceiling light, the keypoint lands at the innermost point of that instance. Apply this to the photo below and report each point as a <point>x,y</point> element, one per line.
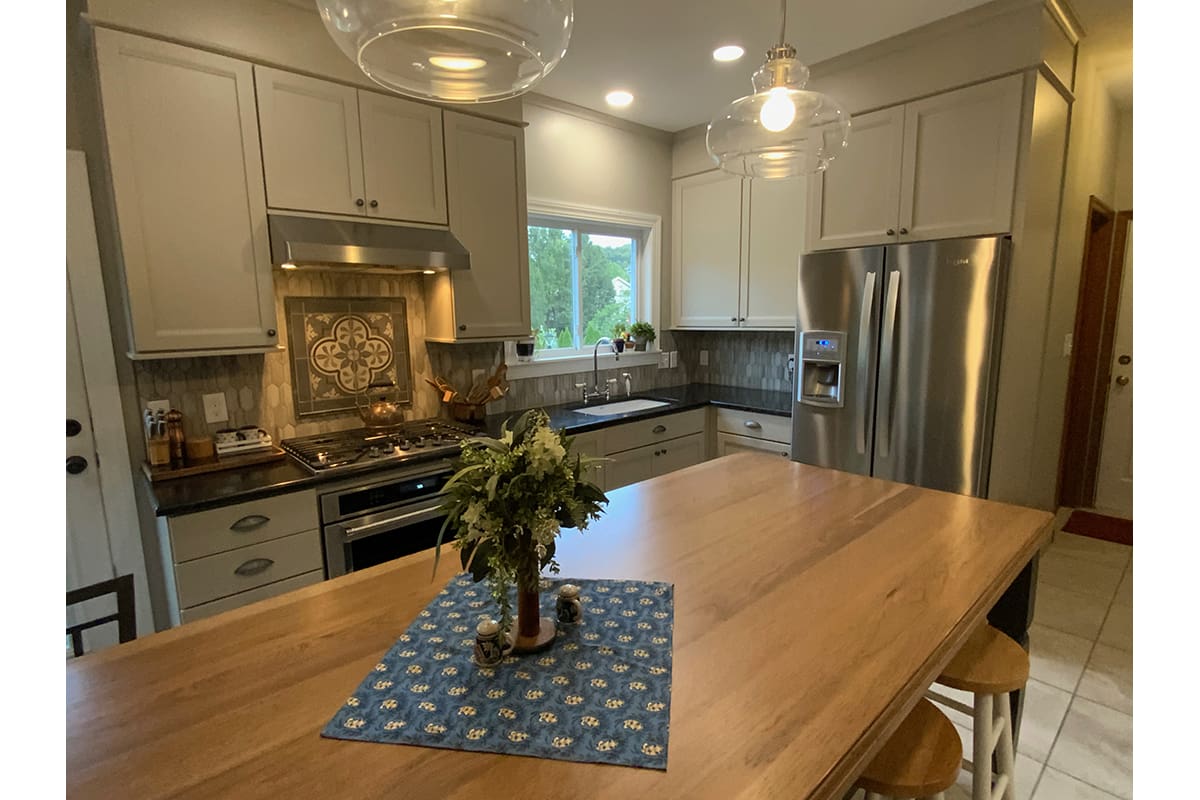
<point>728,52</point>
<point>430,271</point>
<point>619,98</point>
<point>457,63</point>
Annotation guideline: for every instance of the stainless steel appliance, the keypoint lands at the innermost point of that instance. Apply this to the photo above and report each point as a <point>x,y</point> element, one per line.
<point>898,351</point>
<point>310,243</point>
<point>388,506</point>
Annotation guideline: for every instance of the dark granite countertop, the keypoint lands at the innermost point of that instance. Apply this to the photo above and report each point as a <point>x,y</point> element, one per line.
<point>188,495</point>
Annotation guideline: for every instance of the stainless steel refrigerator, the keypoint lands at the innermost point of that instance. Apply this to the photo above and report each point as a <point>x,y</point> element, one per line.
<point>897,351</point>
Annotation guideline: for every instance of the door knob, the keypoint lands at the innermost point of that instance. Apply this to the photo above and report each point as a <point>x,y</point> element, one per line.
<point>73,427</point>
<point>1122,380</point>
<point>1124,359</point>
<point>76,464</point>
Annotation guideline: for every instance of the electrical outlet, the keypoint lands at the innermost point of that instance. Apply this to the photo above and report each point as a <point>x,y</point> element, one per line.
<point>704,358</point>
<point>674,359</point>
<point>214,408</point>
<point>664,360</point>
<point>1068,344</point>
<point>159,405</point>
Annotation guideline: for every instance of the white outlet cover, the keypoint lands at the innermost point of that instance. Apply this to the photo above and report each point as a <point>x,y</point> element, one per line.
<point>215,409</point>
<point>704,358</point>
<point>674,359</point>
<point>664,360</point>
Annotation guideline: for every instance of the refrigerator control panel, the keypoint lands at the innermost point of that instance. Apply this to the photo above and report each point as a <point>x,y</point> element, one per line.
<point>822,356</point>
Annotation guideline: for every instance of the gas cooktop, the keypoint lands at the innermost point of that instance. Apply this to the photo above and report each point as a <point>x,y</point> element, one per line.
<point>360,448</point>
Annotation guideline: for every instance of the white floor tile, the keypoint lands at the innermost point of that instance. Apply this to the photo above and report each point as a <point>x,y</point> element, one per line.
<point>1027,770</point>
<point>1125,589</point>
<point>1045,707</point>
<point>1057,658</point>
<point>1096,746</point>
<point>1118,628</point>
<point>1056,785</point>
<point>1108,679</point>
<point>1111,553</point>
<point>1068,611</point>
<point>1092,578</point>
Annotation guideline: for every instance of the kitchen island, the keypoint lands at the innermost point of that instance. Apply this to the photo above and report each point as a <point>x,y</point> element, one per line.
<point>813,608</point>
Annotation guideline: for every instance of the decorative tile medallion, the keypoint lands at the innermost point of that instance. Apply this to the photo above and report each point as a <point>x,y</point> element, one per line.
<point>340,345</point>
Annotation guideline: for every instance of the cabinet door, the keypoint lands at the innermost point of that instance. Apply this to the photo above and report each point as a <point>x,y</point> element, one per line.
<point>960,161</point>
<point>776,234</point>
<point>729,443</point>
<point>404,166</point>
<point>856,201</point>
<point>588,444</point>
<point>311,148</point>
<point>630,466</point>
<point>707,252</point>
<point>485,176</point>
<point>679,453</point>
<point>188,189</point>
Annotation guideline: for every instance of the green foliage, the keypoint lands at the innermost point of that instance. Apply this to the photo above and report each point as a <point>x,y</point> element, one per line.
<point>642,331</point>
<point>509,499</point>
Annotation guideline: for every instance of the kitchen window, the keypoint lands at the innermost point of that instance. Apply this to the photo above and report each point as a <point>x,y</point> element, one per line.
<point>590,271</point>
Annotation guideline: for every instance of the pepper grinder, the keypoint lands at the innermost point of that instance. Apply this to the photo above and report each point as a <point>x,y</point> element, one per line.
<point>176,437</point>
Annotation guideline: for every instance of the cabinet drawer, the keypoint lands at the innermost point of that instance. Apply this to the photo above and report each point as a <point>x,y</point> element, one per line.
<point>755,425</point>
<point>649,431</point>
<point>252,596</point>
<point>213,577</point>
<point>209,532</point>
<point>730,443</point>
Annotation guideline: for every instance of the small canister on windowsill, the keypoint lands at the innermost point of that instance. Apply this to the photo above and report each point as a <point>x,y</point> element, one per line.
<point>567,605</point>
<point>489,651</point>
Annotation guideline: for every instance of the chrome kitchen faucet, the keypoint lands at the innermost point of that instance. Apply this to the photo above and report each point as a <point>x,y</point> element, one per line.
<point>596,393</point>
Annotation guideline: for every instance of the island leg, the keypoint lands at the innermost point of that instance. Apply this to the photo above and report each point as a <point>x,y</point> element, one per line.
<point>1012,615</point>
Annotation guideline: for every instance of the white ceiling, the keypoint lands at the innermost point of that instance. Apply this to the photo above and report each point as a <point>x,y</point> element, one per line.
<point>661,50</point>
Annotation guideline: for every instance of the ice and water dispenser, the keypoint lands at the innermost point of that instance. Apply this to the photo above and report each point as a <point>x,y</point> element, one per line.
<point>822,356</point>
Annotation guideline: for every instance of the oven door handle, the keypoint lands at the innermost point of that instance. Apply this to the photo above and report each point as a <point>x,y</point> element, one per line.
<point>425,512</point>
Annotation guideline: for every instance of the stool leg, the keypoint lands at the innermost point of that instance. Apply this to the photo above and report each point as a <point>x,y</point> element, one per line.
<point>1004,748</point>
<point>981,751</point>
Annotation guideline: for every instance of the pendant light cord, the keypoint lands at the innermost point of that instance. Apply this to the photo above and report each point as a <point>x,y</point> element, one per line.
<point>782,20</point>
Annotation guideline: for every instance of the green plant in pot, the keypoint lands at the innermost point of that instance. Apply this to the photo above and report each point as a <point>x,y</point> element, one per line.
<point>643,334</point>
<point>506,505</point>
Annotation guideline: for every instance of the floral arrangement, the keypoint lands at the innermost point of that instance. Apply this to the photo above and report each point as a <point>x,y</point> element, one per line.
<point>509,499</point>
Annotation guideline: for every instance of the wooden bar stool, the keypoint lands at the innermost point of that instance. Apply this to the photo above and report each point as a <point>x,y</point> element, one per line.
<point>921,759</point>
<point>989,665</point>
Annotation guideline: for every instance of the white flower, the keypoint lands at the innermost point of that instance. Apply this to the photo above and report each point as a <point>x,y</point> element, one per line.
<point>545,452</point>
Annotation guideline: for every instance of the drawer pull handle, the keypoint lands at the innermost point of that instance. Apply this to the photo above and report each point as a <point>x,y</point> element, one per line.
<point>254,566</point>
<point>754,426</point>
<point>659,429</point>
<point>249,523</point>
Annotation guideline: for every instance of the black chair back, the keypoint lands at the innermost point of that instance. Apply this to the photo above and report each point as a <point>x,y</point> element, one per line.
<point>126,616</point>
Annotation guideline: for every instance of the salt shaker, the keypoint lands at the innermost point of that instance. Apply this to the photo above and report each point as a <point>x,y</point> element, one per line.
<point>488,650</point>
<point>567,605</point>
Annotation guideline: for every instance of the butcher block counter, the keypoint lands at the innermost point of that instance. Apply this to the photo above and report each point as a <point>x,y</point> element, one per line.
<point>812,610</point>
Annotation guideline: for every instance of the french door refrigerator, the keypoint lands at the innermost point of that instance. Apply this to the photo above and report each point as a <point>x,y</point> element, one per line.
<point>898,349</point>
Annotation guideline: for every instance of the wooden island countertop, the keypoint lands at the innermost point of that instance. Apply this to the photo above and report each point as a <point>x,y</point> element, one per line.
<point>812,610</point>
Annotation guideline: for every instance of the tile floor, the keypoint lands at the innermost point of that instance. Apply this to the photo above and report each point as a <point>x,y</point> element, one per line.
<point>1076,739</point>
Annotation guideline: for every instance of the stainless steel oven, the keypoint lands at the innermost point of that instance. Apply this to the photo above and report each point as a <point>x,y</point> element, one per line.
<point>382,516</point>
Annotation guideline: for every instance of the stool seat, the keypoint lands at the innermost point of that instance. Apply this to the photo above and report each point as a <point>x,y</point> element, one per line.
<point>988,663</point>
<point>920,759</point>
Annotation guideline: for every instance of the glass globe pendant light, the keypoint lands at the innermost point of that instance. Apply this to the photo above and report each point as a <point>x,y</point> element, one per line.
<point>452,51</point>
<point>782,130</point>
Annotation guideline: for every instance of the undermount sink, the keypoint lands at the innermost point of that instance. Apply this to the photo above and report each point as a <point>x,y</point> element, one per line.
<point>623,407</point>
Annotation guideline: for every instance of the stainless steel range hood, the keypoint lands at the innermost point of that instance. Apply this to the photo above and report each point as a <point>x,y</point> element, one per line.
<point>314,243</point>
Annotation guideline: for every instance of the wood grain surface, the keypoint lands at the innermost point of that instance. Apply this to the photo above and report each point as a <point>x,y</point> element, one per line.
<point>812,610</point>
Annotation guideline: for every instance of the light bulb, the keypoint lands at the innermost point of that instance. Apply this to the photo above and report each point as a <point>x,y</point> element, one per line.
<point>457,63</point>
<point>779,110</point>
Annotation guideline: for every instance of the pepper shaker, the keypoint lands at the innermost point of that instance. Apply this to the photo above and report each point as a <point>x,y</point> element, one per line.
<point>176,437</point>
<point>488,650</point>
<point>567,605</point>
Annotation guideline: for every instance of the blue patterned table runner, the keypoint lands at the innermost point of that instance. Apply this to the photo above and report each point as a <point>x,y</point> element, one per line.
<point>601,693</point>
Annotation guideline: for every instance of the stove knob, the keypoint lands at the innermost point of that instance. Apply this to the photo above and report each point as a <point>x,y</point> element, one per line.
<point>322,458</point>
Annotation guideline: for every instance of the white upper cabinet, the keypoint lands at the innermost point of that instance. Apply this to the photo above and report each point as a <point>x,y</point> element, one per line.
<point>854,202</point>
<point>935,168</point>
<point>187,183</point>
<point>339,150</point>
<point>960,161</point>
<point>707,251</point>
<point>485,174</point>
<point>776,239</point>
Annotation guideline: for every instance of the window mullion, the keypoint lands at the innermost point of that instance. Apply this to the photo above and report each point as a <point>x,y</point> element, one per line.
<point>577,289</point>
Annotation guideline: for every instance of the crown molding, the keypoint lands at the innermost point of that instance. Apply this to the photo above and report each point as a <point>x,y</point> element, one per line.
<point>599,117</point>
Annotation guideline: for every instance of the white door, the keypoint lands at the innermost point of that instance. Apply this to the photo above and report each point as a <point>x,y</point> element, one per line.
<point>707,252</point>
<point>404,163</point>
<point>960,161</point>
<point>311,147</point>
<point>1114,484</point>
<point>856,201</point>
<point>777,220</point>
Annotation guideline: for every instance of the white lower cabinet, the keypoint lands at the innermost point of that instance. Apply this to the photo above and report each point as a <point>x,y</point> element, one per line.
<point>232,556</point>
<point>730,443</point>
<point>740,431</point>
<point>648,448</point>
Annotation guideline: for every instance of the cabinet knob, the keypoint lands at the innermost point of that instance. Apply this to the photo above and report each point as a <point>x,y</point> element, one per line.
<point>462,327</point>
<point>741,319</point>
<point>358,202</point>
<point>73,427</point>
<point>270,331</point>
<point>733,319</point>
<point>659,429</point>
<point>76,464</point>
<point>891,231</point>
<point>903,231</point>
<point>374,204</point>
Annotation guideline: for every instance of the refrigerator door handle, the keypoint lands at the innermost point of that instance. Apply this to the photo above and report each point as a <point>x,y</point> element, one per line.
<point>887,355</point>
<point>864,354</point>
